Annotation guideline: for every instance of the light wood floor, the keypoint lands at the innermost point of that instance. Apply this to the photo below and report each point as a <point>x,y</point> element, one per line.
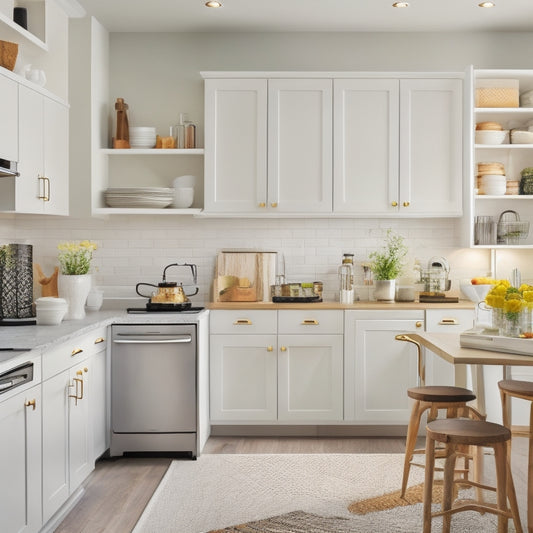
<point>117,492</point>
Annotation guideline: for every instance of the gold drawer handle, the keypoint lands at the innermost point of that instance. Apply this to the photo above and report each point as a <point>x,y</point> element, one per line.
<point>418,324</point>
<point>394,204</point>
<point>262,204</point>
<point>406,204</point>
<point>30,403</point>
<point>270,349</point>
<point>310,322</point>
<point>242,322</point>
<point>283,348</point>
<point>99,340</point>
<point>449,322</point>
<point>76,351</point>
<point>274,204</point>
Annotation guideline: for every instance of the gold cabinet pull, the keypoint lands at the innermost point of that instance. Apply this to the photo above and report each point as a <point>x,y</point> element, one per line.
<point>283,348</point>
<point>418,324</point>
<point>274,204</point>
<point>270,349</point>
<point>86,370</point>
<point>99,340</point>
<point>30,403</point>
<point>394,204</point>
<point>310,322</point>
<point>242,322</point>
<point>78,395</point>
<point>449,322</point>
<point>42,195</point>
<point>76,351</point>
<point>406,204</point>
<point>262,204</point>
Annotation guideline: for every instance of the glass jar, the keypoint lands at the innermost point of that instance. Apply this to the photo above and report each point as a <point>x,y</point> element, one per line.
<point>346,280</point>
<point>513,323</point>
<point>497,320</point>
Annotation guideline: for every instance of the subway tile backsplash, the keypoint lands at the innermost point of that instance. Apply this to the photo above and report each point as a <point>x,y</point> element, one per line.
<point>133,248</point>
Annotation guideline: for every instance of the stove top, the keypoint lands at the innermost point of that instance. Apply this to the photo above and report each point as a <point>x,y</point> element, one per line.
<point>145,311</point>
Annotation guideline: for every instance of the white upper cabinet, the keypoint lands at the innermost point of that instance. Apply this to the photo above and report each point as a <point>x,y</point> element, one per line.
<point>366,119</point>
<point>398,147</point>
<point>293,118</point>
<point>236,144</point>
<point>431,147</point>
<point>300,145</point>
<point>9,113</point>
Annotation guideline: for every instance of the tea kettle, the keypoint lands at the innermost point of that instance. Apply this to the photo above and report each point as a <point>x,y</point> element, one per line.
<point>169,291</point>
<point>436,276</point>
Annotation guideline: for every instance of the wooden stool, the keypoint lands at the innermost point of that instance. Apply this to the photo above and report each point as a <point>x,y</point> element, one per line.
<point>433,398</point>
<point>524,390</point>
<point>455,434</point>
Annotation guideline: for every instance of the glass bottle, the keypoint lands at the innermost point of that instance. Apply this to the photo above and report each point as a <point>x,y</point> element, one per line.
<point>346,294</point>
<point>179,131</point>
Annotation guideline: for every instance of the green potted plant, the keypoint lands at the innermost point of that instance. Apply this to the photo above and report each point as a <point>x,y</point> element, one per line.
<point>387,264</point>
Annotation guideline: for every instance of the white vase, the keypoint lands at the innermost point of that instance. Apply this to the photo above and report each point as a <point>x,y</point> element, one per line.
<point>384,290</point>
<point>74,289</point>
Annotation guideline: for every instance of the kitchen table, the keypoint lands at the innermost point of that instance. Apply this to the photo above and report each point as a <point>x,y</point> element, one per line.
<point>448,347</point>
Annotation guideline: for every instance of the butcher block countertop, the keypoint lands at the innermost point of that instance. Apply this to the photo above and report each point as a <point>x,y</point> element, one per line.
<point>374,306</point>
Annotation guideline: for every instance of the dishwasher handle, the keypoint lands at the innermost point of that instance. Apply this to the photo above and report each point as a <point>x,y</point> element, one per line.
<point>144,339</point>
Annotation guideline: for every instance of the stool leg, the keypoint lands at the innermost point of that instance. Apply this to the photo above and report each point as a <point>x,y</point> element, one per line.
<point>448,493</point>
<point>512,493</point>
<point>500,457</point>
<point>428,483</point>
<point>410,443</point>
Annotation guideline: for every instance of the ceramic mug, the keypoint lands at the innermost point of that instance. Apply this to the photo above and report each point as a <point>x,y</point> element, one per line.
<point>35,75</point>
<point>183,197</point>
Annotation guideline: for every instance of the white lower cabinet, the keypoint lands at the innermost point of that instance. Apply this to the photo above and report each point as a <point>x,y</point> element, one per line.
<point>20,462</point>
<point>379,369</point>
<point>276,366</point>
<point>68,417</point>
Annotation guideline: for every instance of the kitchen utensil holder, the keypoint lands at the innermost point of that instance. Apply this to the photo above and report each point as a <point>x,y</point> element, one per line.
<point>511,231</point>
<point>16,281</point>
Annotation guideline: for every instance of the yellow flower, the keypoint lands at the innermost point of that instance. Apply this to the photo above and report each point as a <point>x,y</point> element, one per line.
<point>75,257</point>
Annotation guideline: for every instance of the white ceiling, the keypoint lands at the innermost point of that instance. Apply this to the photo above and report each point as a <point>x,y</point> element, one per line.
<point>310,15</point>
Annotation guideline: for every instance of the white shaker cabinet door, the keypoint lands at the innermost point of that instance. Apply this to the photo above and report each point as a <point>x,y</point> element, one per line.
<point>20,462</point>
<point>431,147</point>
<point>300,121</point>
<point>366,146</point>
<point>310,377</point>
<point>9,113</point>
<point>243,378</point>
<point>235,145</point>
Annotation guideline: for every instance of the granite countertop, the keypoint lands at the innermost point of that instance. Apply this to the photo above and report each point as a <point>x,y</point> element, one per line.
<point>376,306</point>
<point>42,337</point>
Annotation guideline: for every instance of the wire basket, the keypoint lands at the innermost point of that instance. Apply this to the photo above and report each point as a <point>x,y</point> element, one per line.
<point>511,229</point>
<point>16,281</point>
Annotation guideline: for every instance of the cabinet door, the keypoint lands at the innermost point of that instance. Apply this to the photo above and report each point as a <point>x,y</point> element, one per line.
<point>383,371</point>
<point>366,118</point>
<point>310,374</point>
<point>20,462</point>
<point>300,118</point>
<point>97,404</point>
<point>55,443</point>
<point>235,145</point>
<point>28,186</point>
<point>9,113</point>
<point>55,157</point>
<point>80,431</point>
<point>243,378</point>
<point>431,147</point>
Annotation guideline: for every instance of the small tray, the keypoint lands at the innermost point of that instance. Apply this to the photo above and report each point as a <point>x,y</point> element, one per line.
<point>158,306</point>
<point>295,299</point>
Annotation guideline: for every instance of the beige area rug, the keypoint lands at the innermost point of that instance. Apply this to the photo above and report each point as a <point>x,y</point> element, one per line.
<point>218,492</point>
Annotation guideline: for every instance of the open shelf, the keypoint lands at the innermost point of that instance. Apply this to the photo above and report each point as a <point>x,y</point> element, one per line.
<point>153,151</point>
<point>27,35</point>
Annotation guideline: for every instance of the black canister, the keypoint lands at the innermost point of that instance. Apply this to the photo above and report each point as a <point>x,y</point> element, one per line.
<point>16,281</point>
<point>20,16</point>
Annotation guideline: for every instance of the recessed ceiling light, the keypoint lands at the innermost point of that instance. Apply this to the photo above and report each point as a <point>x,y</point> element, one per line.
<point>487,4</point>
<point>400,4</point>
<point>213,3</point>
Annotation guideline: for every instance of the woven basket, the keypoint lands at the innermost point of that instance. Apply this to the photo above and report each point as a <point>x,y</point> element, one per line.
<point>497,97</point>
<point>8,54</point>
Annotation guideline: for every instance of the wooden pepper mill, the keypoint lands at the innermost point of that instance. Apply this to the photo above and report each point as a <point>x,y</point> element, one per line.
<point>122,138</point>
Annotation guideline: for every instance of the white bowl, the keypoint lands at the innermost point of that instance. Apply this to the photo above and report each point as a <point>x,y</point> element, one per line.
<point>50,302</point>
<point>521,137</point>
<point>475,293</point>
<point>184,181</point>
<point>50,317</point>
<point>183,197</point>
<point>494,190</point>
<point>490,136</point>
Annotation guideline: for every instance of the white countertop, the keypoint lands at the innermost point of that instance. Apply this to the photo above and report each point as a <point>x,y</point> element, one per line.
<point>42,337</point>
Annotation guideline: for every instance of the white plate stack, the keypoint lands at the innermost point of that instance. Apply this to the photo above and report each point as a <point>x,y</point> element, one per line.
<point>142,137</point>
<point>148,197</point>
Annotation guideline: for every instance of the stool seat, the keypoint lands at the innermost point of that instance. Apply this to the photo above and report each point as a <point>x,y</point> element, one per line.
<point>520,389</point>
<point>468,432</point>
<point>437,393</point>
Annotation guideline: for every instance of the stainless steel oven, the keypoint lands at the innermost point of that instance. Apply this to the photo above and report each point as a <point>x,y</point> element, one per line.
<point>154,388</point>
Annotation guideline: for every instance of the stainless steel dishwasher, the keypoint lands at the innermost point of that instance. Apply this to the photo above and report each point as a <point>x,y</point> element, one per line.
<point>153,389</point>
